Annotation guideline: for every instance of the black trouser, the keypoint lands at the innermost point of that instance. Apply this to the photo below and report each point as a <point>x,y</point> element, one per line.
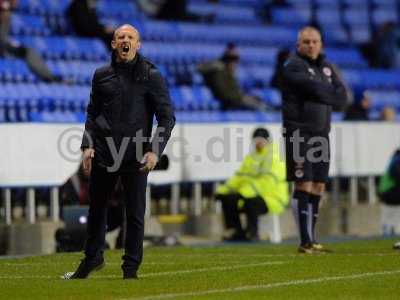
<point>101,186</point>
<point>253,207</point>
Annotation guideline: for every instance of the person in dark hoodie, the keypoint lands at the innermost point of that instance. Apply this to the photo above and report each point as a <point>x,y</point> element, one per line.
<point>311,90</point>
<point>85,22</point>
<point>117,144</point>
<point>359,110</point>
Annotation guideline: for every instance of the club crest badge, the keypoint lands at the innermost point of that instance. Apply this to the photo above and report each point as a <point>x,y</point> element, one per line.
<point>299,173</point>
<point>327,71</point>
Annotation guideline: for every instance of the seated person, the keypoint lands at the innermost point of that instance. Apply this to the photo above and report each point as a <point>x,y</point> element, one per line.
<point>258,187</point>
<point>219,76</point>
<point>85,21</point>
<point>8,47</point>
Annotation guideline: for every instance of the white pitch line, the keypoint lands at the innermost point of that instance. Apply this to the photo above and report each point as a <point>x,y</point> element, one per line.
<point>17,264</point>
<point>234,267</point>
<point>394,253</point>
<point>266,286</point>
<point>178,272</point>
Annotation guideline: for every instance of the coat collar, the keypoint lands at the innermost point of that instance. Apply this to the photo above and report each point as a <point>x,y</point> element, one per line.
<point>130,65</point>
<point>138,67</point>
<point>320,59</point>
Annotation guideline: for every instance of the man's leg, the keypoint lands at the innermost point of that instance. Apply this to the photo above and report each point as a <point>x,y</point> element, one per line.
<point>253,208</point>
<point>320,171</point>
<point>299,170</point>
<point>134,193</point>
<point>231,213</point>
<point>300,210</point>
<point>317,190</point>
<point>101,186</point>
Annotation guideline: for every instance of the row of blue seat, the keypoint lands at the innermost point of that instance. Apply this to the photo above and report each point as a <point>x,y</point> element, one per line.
<point>334,17</point>
<point>29,25</point>
<point>182,117</point>
<point>115,8</point>
<point>248,75</point>
<point>60,96</point>
<point>240,3</point>
<point>336,3</point>
<point>273,35</point>
<point>357,33</point>
<point>164,52</point>
<point>225,13</point>
<point>58,47</point>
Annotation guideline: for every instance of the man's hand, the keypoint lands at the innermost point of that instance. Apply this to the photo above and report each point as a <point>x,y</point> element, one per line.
<point>149,160</point>
<point>88,154</point>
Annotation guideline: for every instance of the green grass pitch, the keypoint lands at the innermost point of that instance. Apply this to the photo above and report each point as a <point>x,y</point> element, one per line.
<point>356,270</point>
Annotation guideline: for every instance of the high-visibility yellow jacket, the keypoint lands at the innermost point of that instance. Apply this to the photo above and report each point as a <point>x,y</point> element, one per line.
<point>261,174</point>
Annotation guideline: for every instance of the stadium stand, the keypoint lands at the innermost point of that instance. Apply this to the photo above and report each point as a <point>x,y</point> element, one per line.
<point>177,47</point>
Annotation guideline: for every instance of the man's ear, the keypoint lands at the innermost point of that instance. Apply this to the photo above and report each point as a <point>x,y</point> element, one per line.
<point>138,45</point>
<point>113,44</point>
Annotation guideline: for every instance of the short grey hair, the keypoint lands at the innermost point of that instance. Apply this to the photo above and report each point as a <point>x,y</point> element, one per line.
<point>307,28</point>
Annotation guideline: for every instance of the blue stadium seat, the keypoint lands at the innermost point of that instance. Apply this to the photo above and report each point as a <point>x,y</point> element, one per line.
<point>260,76</point>
<point>349,57</point>
<point>337,116</point>
<point>335,35</point>
<point>329,17</point>
<point>15,70</point>
<point>247,3</point>
<point>225,13</point>
<point>380,16</point>
<point>333,4</point>
<point>391,3</point>
<point>57,47</point>
<point>28,25</point>
<point>43,7</point>
<point>56,117</point>
<point>380,99</point>
<point>271,35</point>
<point>291,16</point>
<point>352,77</point>
<point>270,96</point>
<point>356,16</point>
<point>361,4</point>
<point>300,3</point>
<point>380,78</point>
<point>359,35</point>
<point>200,117</point>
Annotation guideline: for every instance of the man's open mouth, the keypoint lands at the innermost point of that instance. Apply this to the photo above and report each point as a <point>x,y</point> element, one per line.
<point>125,49</point>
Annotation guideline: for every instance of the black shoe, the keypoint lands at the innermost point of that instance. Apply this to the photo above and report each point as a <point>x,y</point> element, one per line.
<point>130,274</point>
<point>237,237</point>
<point>85,268</point>
<point>255,238</point>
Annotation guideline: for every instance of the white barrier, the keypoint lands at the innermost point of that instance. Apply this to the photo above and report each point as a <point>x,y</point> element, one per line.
<point>48,154</point>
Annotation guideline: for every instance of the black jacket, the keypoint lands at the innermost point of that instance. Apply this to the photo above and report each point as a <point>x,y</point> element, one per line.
<point>124,99</point>
<point>310,90</point>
